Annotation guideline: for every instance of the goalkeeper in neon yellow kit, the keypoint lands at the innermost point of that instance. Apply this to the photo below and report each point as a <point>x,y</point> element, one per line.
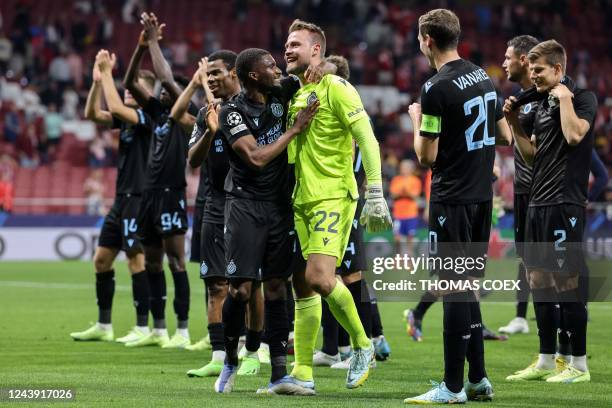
<point>324,202</point>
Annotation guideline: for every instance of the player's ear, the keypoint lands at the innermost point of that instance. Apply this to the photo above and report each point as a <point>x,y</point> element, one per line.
<point>253,75</point>
<point>316,49</point>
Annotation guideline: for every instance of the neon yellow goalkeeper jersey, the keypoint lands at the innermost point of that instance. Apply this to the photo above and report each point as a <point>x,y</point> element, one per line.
<point>323,153</point>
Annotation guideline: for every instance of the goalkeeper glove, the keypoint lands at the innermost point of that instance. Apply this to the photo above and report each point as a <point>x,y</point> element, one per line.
<point>375,215</point>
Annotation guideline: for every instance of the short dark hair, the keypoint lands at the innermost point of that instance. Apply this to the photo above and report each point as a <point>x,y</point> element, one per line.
<point>342,65</point>
<point>182,80</point>
<point>228,57</point>
<point>246,60</point>
<point>147,76</point>
<point>443,26</point>
<point>522,44</point>
<point>552,51</point>
<point>317,35</point>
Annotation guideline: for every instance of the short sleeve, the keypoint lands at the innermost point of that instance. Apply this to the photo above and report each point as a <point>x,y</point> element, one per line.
<point>344,100</point>
<point>192,109</point>
<point>199,127</point>
<point>585,106</point>
<point>232,124</point>
<point>431,108</point>
<point>499,111</point>
<point>144,119</point>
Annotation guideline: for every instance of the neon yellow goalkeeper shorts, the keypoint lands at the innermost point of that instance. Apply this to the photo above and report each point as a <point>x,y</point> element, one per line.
<point>324,227</point>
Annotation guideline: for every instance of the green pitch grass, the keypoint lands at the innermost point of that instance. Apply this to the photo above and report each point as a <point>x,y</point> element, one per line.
<point>40,303</point>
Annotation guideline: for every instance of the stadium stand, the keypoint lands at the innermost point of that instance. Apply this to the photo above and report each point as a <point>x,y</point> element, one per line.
<point>47,48</point>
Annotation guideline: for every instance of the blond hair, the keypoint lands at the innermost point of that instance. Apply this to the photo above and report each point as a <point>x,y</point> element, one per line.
<point>317,35</point>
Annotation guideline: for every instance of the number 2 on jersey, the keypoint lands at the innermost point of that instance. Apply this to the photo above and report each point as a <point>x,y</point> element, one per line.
<point>483,108</point>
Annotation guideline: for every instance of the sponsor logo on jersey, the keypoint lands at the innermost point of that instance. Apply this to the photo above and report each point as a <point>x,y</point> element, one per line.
<point>527,108</point>
<point>203,269</point>
<point>355,112</point>
<point>573,221</point>
<point>277,109</point>
<point>256,121</point>
<point>130,242</point>
<point>312,98</point>
<point>428,85</point>
<point>325,241</point>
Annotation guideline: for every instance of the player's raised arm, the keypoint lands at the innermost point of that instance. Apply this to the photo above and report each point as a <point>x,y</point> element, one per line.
<point>105,63</point>
<point>574,126</point>
<point>201,136</point>
<point>93,108</point>
<point>130,81</point>
<point>523,142</point>
<point>242,141</point>
<point>153,31</point>
<point>179,109</point>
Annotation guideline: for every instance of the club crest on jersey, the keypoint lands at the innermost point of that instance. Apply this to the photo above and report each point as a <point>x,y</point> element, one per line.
<point>234,119</point>
<point>527,108</point>
<point>231,267</point>
<point>277,109</point>
<point>312,98</point>
<point>203,269</point>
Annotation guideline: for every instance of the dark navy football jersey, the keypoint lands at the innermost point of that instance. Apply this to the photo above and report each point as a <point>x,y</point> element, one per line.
<point>460,107</point>
<point>168,152</point>
<point>561,171</point>
<point>134,141</point>
<point>217,166</point>
<point>240,117</point>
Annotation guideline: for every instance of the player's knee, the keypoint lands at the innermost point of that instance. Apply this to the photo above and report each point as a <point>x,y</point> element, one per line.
<point>136,262</point>
<point>102,262</point>
<point>275,289</point>
<point>241,292</point>
<point>217,289</point>
<point>322,286</point>
<point>154,266</point>
<point>351,277</point>
<point>176,263</point>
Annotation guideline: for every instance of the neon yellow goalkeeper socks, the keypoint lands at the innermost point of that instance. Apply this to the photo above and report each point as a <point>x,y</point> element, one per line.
<point>343,308</point>
<point>307,322</point>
